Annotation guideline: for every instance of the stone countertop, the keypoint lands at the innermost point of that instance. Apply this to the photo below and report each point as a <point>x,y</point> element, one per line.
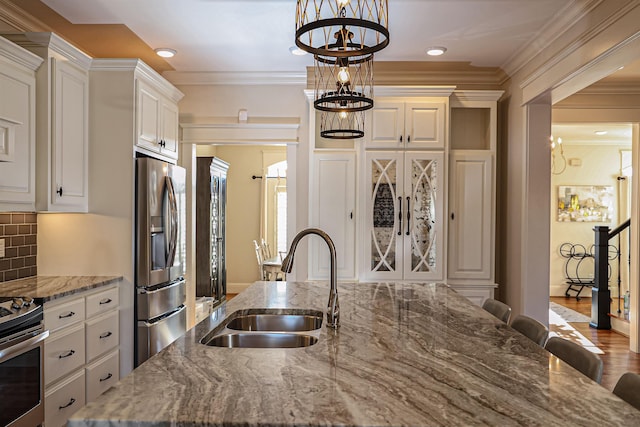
<point>405,354</point>
<point>47,288</point>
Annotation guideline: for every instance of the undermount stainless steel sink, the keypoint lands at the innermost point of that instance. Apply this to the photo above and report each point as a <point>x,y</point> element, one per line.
<point>265,322</point>
<point>262,340</point>
<point>267,328</point>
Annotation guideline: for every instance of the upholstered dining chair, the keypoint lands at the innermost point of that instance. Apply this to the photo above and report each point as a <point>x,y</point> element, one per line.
<point>499,309</point>
<point>628,389</point>
<point>577,356</point>
<point>531,328</point>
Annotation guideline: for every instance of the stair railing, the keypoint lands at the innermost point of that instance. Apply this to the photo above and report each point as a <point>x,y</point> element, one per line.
<point>600,293</point>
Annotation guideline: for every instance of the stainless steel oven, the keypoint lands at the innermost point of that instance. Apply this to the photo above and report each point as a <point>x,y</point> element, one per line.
<point>22,338</point>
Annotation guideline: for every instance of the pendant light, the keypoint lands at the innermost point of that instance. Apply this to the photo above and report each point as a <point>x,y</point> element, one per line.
<point>342,125</point>
<point>342,28</point>
<point>343,84</point>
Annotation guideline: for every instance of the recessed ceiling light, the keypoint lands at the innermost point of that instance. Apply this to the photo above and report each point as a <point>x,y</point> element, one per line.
<point>165,52</point>
<point>436,50</point>
<point>600,132</point>
<point>295,50</point>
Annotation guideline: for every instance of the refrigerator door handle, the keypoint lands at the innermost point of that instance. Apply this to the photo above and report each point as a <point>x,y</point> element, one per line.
<point>171,222</point>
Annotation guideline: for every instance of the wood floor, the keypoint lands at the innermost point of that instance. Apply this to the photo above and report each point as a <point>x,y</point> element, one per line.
<point>617,358</point>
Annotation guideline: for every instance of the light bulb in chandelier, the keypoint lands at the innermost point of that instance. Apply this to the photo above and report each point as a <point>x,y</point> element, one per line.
<point>342,115</point>
<point>343,75</point>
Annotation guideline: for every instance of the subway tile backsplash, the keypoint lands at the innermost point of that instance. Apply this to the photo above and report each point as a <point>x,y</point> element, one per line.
<point>19,231</point>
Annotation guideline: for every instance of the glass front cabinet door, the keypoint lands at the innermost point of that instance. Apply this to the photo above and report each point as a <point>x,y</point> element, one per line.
<point>404,216</point>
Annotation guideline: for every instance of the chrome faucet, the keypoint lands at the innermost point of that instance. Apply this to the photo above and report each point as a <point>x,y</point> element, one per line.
<point>333,307</point>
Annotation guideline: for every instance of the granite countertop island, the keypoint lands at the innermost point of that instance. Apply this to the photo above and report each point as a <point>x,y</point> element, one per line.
<point>405,354</point>
<point>47,288</point>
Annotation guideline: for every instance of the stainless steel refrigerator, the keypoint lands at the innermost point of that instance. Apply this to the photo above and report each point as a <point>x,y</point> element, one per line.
<point>161,314</point>
<point>211,196</point>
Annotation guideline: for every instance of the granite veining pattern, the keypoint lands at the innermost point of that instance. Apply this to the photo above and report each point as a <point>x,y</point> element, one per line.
<point>404,355</point>
<point>47,288</point>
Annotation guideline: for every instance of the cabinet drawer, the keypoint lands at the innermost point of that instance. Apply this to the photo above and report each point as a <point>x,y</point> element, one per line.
<point>102,335</point>
<point>64,400</point>
<point>102,301</point>
<point>65,314</point>
<point>63,352</point>
<point>101,375</point>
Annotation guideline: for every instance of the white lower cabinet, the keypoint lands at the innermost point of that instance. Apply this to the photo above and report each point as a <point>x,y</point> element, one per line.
<point>102,374</point>
<point>404,208</point>
<point>64,352</point>
<point>63,400</point>
<point>82,351</point>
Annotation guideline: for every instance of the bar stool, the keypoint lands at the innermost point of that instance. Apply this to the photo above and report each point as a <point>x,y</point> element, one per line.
<point>577,356</point>
<point>499,309</point>
<point>531,328</point>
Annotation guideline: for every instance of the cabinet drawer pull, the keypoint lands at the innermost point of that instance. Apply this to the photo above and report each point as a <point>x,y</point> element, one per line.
<point>71,402</point>
<point>106,378</point>
<point>64,316</point>
<point>105,301</point>
<point>105,335</point>
<point>67,354</point>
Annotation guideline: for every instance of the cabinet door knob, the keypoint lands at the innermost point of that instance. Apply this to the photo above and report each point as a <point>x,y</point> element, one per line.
<point>408,139</point>
<point>59,191</point>
<point>452,216</point>
<point>400,138</point>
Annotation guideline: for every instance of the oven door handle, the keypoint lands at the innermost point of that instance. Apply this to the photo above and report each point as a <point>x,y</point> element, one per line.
<point>8,353</point>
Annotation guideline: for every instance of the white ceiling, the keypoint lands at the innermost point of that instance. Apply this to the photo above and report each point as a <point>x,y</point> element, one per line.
<point>584,133</point>
<point>255,35</point>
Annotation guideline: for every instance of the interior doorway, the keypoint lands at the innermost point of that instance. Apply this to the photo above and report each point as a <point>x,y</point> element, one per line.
<point>247,198</point>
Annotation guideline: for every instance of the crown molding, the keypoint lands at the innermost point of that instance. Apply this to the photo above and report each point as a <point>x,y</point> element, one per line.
<point>236,78</point>
<point>19,55</point>
<point>256,131</point>
<point>573,12</point>
<point>582,41</point>
<point>37,42</point>
<point>140,68</point>
<point>19,19</point>
<point>435,91</point>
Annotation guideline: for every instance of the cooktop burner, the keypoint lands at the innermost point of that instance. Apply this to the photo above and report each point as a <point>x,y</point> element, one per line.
<point>16,313</point>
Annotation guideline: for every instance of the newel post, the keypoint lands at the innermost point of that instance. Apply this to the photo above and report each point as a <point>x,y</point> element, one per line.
<point>600,294</point>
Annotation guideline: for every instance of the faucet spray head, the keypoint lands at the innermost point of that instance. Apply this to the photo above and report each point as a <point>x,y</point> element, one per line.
<point>287,263</point>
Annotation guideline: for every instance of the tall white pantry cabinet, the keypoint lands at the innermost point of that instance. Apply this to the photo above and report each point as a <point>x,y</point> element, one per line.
<point>414,200</point>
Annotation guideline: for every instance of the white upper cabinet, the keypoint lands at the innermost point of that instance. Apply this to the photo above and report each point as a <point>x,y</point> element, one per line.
<point>148,107</point>
<point>17,127</point>
<point>411,125</point>
<point>62,126</point>
<point>157,120</point>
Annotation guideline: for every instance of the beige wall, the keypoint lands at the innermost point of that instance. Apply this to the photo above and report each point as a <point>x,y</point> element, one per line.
<point>595,45</point>
<point>243,208</point>
<point>600,166</point>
